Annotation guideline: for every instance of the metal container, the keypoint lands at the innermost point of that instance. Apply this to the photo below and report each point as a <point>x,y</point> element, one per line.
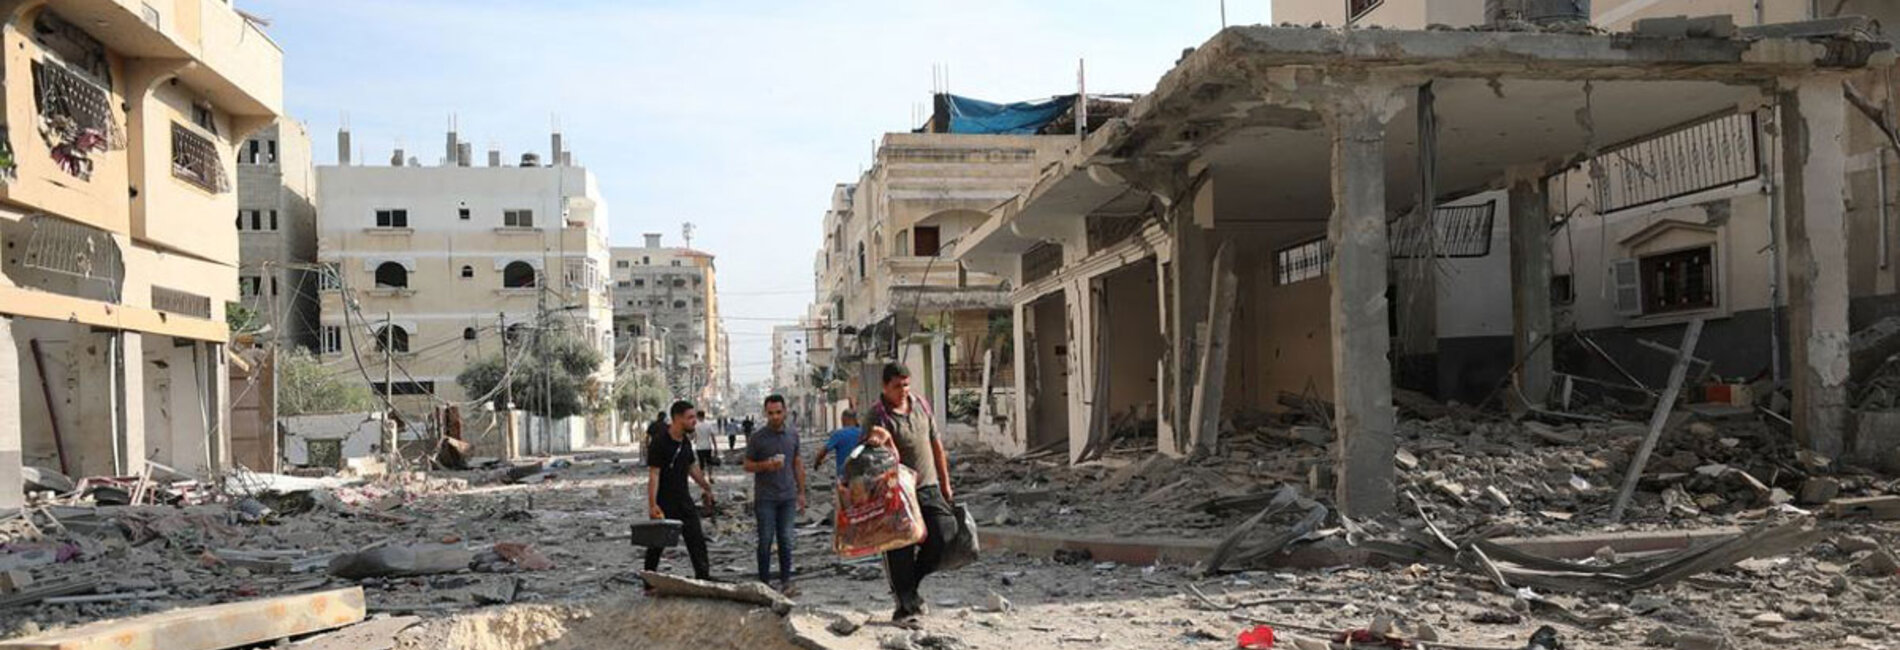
<point>660,533</point>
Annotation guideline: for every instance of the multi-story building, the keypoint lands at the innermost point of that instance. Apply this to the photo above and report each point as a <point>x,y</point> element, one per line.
<point>115,214</point>
<point>666,301</point>
<point>277,226</point>
<point>789,365</point>
<point>886,277</point>
<point>432,268</point>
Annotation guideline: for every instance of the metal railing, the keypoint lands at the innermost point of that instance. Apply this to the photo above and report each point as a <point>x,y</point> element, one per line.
<point>1705,155</point>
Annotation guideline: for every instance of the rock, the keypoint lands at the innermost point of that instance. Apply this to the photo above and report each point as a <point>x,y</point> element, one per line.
<point>1700,642</point>
<point>1819,490</point>
<point>1876,563</point>
<point>1552,434</point>
<point>1661,637</point>
<point>848,624</point>
<point>1779,496</point>
<point>1496,617</point>
<point>1406,460</point>
<point>997,604</point>
<point>1644,604</point>
<point>1497,496</point>
<point>1316,436</point>
<point>1851,544</point>
<point>1768,619</point>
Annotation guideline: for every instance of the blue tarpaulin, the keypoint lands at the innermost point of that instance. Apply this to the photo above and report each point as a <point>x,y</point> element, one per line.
<point>1021,118</point>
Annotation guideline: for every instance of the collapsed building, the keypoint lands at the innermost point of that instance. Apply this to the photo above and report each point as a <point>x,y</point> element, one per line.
<point>1332,215</point>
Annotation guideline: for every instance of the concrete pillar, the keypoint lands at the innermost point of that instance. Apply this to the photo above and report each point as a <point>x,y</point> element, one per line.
<point>1362,375</point>
<point>1191,265</point>
<point>12,491</point>
<point>1814,188</point>
<point>1019,410</point>
<point>1530,281</point>
<point>1079,336</point>
<point>92,387</point>
<point>131,403</point>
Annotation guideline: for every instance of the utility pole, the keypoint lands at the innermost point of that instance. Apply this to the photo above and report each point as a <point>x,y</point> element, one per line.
<point>389,416</point>
<point>501,320</point>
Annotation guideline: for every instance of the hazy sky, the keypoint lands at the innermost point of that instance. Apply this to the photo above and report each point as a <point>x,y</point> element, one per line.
<point>737,116</point>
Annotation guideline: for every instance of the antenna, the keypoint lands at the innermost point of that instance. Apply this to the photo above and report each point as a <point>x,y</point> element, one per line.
<point>1223,14</point>
<point>686,230</point>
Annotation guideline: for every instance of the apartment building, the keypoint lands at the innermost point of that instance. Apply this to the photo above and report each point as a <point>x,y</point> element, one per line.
<point>428,269</point>
<point>1614,15</point>
<point>666,301</point>
<point>116,198</point>
<point>277,232</point>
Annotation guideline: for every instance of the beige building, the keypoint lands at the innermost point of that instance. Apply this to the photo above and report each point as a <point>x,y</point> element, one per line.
<point>432,268</point>
<point>1614,15</point>
<point>112,302</point>
<point>666,308</point>
<point>277,232</point>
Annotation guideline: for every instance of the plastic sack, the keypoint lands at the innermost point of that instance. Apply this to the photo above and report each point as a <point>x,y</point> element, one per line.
<point>877,505</point>
<point>961,549</point>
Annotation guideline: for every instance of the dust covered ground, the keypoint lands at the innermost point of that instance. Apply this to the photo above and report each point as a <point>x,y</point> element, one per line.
<point>1834,593</point>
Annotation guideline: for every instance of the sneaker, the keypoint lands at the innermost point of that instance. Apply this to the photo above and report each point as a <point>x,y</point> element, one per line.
<point>907,620</point>
<point>787,589</point>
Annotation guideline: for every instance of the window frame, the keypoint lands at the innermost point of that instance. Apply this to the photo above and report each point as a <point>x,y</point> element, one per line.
<point>391,218</point>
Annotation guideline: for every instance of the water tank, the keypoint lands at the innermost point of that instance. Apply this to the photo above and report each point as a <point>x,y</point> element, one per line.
<point>530,160</point>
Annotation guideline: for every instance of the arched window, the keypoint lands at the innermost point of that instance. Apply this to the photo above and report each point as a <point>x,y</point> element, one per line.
<point>392,275</point>
<point>517,275</point>
<point>392,338</point>
<point>468,333</point>
<point>468,271</point>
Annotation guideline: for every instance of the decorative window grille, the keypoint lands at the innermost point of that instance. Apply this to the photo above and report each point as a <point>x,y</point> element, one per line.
<point>181,302</point>
<point>1303,261</point>
<point>1463,231</point>
<point>1712,153</point>
<point>195,160</point>
<point>76,250</point>
<point>75,117</point>
<point>1042,261</point>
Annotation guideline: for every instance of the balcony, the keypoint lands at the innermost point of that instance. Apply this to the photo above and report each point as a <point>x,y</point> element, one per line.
<point>936,283</point>
<point>239,68</point>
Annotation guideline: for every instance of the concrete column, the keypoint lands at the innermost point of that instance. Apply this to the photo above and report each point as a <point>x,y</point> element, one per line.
<point>1080,337</point>
<point>12,491</point>
<point>1191,265</point>
<point>1019,411</point>
<point>132,403</point>
<point>1530,281</point>
<point>93,388</point>
<point>1814,188</point>
<point>1362,375</point>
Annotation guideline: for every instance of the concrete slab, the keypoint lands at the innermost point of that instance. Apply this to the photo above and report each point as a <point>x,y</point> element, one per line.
<point>208,628</point>
<point>1143,551</point>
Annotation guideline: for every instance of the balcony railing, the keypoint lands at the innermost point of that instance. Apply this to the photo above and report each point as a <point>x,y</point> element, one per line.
<point>936,272</point>
<point>195,160</point>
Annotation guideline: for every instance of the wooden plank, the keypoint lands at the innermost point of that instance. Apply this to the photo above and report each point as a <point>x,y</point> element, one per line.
<point>1658,418</point>
<point>1870,508</point>
<point>210,628</point>
<point>378,634</point>
<point>1211,383</point>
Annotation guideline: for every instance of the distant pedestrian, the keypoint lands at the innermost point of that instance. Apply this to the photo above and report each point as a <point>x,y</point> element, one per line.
<point>707,443</point>
<point>839,445</point>
<point>747,427</point>
<point>778,487</point>
<point>655,429</point>
<point>732,432</point>
<point>902,421</point>
<point>670,461</point>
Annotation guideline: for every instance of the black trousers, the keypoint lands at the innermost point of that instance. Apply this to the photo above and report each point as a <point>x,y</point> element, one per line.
<point>682,509</point>
<point>707,459</point>
<point>907,567</point>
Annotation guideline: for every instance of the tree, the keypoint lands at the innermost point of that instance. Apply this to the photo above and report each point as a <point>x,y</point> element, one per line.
<point>305,386</point>
<point>641,396</point>
<point>555,379</point>
<point>242,319</point>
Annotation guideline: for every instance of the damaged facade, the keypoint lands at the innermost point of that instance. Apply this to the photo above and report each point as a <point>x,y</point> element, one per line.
<point>1300,217</point>
<point>112,302</point>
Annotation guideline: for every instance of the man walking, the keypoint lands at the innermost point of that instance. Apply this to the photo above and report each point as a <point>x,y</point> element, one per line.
<point>841,442</point>
<point>778,484</point>
<point>707,444</point>
<point>907,427</point>
<point>670,461</point>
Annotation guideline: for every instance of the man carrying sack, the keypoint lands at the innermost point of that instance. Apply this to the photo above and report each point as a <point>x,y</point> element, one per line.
<point>904,424</point>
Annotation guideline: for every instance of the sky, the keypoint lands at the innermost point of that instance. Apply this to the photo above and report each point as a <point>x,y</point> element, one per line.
<point>737,116</point>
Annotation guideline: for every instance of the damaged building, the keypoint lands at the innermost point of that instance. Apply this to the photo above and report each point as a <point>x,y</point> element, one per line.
<point>116,207</point>
<point>1302,216</point>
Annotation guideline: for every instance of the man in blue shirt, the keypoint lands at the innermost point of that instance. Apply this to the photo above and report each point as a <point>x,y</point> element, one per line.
<point>841,442</point>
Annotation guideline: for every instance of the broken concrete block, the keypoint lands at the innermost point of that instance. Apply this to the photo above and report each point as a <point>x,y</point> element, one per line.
<point>1855,543</point>
<point>1876,440</point>
<point>1819,490</point>
<point>1662,27</point>
<point>1768,619</point>
<point>848,623</point>
<point>1876,563</point>
<point>398,561</point>
<point>1406,460</point>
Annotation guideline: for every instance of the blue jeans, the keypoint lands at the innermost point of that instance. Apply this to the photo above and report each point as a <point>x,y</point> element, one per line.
<point>776,522</point>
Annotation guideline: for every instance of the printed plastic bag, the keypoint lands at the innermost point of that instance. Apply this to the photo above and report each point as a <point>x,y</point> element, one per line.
<point>961,550</point>
<point>877,506</point>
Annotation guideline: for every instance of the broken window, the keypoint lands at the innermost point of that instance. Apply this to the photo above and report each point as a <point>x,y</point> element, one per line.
<point>195,160</point>
<point>75,117</point>
<point>517,218</point>
<point>392,275</point>
<point>1680,281</point>
<point>248,285</point>
<point>392,338</point>
<point>392,218</point>
<point>1705,155</point>
<point>273,220</point>
<point>1300,262</point>
<point>517,275</point>
<point>639,282</point>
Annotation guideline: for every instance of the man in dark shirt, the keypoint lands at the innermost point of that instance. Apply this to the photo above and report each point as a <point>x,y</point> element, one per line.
<point>778,486</point>
<point>903,422</point>
<point>670,461</point>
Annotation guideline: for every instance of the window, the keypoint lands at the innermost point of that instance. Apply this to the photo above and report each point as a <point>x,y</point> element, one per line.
<point>638,282</point>
<point>392,218</point>
<point>517,275</point>
<point>330,278</point>
<point>332,338</point>
<point>195,160</point>
<point>621,264</point>
<point>273,286</point>
<point>1461,231</point>
<point>404,388</point>
<point>679,282</point>
<point>392,338</point>
<point>392,275</point>
<point>1356,9</point>
<point>270,150</point>
<point>860,260</point>
<point>646,259</point>
<point>517,218</point>
<point>248,286</point>
<point>468,271</point>
<point>273,220</point>
<point>257,220</point>
<point>1563,291</point>
<point>251,149</point>
<point>679,304</point>
<point>676,262</point>
<point>1304,261</point>
<point>622,284</point>
<point>468,333</point>
<point>928,239</point>
<point>1678,281</point>
<point>462,213</point>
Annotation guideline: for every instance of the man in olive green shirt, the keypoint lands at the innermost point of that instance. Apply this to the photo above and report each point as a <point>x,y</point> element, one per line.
<point>903,421</point>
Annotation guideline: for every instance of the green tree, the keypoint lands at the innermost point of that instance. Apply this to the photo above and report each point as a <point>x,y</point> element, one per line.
<point>641,396</point>
<point>555,378</point>
<point>305,386</point>
<point>242,319</point>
